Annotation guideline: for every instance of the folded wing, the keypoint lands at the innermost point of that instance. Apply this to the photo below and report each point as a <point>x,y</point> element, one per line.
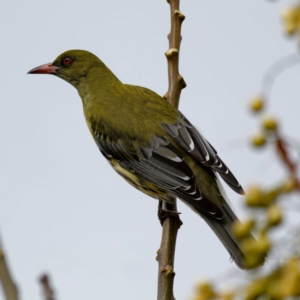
<point>191,141</point>
<point>161,164</point>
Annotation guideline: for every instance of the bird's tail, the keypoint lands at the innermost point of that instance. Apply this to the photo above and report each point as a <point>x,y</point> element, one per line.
<point>223,230</point>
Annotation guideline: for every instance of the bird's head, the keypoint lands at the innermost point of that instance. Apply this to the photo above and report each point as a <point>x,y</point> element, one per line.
<point>71,66</point>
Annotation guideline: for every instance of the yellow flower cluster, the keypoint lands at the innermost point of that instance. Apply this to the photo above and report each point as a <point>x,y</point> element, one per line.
<point>269,124</point>
<point>282,283</point>
<point>291,20</point>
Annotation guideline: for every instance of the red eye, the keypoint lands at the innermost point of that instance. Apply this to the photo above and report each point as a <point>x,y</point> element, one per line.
<point>67,61</point>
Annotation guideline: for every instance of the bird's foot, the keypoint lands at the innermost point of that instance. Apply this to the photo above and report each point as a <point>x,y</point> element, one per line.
<point>164,213</point>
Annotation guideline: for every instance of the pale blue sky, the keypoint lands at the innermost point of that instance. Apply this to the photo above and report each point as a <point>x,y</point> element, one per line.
<point>63,210</point>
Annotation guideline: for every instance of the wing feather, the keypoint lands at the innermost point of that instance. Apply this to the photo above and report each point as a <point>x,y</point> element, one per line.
<point>161,164</point>
<point>191,141</point>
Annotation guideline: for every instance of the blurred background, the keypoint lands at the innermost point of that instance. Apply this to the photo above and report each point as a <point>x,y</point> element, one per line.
<point>63,210</point>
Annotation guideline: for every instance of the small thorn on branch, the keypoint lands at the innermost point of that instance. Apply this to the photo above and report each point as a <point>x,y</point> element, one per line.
<point>168,270</point>
<point>171,52</point>
<point>157,258</point>
<point>179,15</point>
<point>181,82</point>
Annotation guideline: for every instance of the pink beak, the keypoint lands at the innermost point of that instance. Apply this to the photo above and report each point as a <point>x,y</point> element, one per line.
<point>44,69</point>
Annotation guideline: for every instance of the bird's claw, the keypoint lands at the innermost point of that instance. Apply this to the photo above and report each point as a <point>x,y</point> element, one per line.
<point>165,213</point>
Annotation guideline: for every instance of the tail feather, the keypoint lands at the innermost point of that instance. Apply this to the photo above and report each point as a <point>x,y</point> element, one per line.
<point>222,228</point>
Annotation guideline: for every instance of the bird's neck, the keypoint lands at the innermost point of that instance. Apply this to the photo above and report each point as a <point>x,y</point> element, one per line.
<point>98,83</point>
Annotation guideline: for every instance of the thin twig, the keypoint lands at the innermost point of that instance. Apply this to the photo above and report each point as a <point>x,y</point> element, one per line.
<point>284,155</point>
<point>277,69</point>
<point>46,286</point>
<point>9,287</point>
<point>172,222</point>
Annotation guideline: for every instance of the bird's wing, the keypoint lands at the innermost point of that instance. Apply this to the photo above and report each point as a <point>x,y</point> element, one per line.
<point>191,141</point>
<point>161,164</point>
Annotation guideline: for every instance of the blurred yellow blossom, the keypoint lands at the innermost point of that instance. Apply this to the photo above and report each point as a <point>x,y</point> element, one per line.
<point>257,103</point>
<point>269,123</point>
<point>258,139</point>
<point>291,19</point>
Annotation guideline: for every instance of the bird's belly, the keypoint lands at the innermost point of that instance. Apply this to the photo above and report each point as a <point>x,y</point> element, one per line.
<point>142,185</point>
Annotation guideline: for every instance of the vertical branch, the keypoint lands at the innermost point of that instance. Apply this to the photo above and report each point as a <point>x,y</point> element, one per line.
<point>171,222</point>
<point>166,252</point>
<point>176,81</point>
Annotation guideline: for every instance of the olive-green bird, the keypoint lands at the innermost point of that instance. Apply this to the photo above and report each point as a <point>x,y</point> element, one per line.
<point>150,143</point>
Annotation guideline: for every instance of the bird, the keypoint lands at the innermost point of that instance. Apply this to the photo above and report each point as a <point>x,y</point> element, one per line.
<point>151,144</point>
